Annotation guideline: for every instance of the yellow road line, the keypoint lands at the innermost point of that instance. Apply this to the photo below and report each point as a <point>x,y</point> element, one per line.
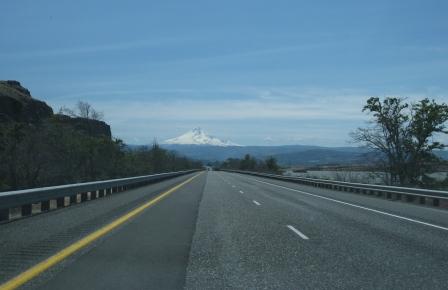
<point>58,257</point>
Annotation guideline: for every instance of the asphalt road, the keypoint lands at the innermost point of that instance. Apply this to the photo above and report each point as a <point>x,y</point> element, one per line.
<point>232,231</point>
<point>25,242</point>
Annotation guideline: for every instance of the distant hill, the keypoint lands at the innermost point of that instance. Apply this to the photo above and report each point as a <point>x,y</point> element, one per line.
<point>320,156</point>
<point>442,154</point>
<point>199,145</point>
<point>286,155</point>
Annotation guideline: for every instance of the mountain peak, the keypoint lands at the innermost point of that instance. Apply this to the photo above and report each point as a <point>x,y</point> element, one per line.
<point>197,130</point>
<point>198,137</point>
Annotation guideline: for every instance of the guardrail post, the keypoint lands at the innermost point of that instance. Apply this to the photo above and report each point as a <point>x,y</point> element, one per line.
<point>4,214</point>
<point>26,209</point>
<point>436,202</point>
<point>45,205</point>
<point>73,199</point>
<point>42,198</point>
<point>422,200</point>
<point>60,202</point>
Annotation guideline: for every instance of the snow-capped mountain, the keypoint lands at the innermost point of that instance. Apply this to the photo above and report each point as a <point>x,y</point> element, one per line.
<point>198,137</point>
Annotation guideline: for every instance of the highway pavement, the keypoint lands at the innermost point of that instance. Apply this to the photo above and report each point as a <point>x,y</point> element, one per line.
<point>231,231</point>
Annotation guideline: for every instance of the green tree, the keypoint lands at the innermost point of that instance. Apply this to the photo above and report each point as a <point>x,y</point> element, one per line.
<point>271,164</point>
<point>159,158</point>
<point>248,163</point>
<point>53,153</point>
<point>404,134</point>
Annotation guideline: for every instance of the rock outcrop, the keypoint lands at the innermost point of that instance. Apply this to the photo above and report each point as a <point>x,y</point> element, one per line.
<point>17,104</point>
<point>93,128</point>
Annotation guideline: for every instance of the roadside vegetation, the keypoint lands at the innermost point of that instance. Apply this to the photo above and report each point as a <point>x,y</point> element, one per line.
<point>250,163</point>
<point>405,137</point>
<point>402,142</point>
<point>67,149</point>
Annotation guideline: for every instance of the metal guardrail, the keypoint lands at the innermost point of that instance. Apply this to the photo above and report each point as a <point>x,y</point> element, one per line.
<point>435,198</point>
<point>72,193</point>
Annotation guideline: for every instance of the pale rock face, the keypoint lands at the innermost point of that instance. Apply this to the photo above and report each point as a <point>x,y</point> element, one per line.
<point>198,137</point>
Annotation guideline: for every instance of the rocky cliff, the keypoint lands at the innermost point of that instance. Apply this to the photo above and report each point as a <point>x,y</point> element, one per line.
<point>17,105</point>
<point>88,126</point>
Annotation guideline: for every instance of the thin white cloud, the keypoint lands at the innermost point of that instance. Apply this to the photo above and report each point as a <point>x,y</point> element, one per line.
<point>226,110</point>
<point>93,48</point>
<point>265,103</point>
<point>320,116</point>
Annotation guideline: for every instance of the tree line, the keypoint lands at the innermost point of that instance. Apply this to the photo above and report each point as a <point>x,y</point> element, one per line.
<point>250,163</point>
<point>52,153</point>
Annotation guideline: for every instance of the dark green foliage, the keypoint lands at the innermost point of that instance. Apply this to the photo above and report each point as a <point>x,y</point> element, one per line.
<point>271,164</point>
<point>404,134</point>
<point>249,163</point>
<point>53,153</point>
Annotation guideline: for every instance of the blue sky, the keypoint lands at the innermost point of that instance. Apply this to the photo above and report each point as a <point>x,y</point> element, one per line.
<point>256,72</point>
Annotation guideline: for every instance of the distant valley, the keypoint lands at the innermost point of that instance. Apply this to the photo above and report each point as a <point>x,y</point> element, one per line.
<point>286,155</point>
<point>198,145</point>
